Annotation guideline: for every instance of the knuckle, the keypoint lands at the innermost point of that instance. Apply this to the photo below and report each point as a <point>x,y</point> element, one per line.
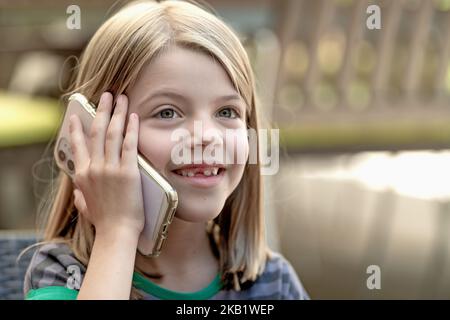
<point>95,171</point>
<point>79,178</point>
<point>112,133</point>
<point>110,170</point>
<point>128,174</point>
<point>94,131</point>
<point>128,144</point>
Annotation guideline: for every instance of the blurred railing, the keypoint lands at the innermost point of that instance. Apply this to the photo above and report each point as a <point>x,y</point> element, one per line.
<point>341,86</point>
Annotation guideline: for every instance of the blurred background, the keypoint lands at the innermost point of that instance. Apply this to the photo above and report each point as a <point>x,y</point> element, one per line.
<point>364,119</point>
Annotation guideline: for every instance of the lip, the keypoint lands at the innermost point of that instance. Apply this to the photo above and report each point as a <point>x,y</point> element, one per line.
<point>202,181</point>
<point>201,166</point>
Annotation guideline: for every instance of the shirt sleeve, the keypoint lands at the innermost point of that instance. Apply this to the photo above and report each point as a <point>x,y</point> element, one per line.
<point>54,273</point>
<point>292,288</point>
<point>279,281</point>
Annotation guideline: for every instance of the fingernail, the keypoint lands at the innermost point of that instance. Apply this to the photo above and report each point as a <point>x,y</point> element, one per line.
<point>103,97</point>
<point>122,98</point>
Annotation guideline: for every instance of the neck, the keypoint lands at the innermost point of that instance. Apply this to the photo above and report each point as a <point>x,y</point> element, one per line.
<point>187,248</point>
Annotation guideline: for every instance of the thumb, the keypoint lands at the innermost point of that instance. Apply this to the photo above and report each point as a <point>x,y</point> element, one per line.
<point>79,201</point>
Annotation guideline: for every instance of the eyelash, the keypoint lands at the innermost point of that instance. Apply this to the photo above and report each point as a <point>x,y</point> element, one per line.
<point>159,113</point>
<point>237,115</point>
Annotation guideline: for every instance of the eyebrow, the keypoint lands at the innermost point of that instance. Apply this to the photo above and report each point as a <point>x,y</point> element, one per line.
<point>180,97</point>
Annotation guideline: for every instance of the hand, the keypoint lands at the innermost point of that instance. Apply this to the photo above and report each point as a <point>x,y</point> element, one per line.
<point>108,190</point>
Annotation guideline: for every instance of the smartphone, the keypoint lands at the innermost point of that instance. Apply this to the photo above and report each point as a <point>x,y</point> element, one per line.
<point>160,198</point>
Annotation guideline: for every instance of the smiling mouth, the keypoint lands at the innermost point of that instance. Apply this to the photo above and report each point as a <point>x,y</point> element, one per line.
<point>200,172</point>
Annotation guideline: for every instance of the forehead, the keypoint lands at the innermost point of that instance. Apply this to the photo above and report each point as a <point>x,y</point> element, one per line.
<point>189,71</point>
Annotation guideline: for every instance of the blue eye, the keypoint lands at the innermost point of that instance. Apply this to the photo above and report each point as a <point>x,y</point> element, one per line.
<point>167,113</point>
<point>228,113</point>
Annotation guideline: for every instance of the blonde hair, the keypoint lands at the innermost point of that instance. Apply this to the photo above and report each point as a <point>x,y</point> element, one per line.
<point>111,62</point>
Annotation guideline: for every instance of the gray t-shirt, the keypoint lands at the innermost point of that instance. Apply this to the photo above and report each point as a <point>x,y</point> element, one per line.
<point>55,273</point>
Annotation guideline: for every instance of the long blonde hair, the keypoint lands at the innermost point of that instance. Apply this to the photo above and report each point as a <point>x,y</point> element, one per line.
<point>111,62</point>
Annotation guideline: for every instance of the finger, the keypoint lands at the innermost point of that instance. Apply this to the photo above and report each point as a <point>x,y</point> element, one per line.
<point>130,142</point>
<point>79,201</point>
<point>78,143</point>
<point>99,126</point>
<point>114,135</point>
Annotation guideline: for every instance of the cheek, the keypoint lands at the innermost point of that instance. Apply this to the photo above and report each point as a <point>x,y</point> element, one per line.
<point>236,175</point>
<point>155,146</point>
<point>237,148</point>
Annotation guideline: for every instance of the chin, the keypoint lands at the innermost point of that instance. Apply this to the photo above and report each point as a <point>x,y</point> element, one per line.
<point>202,211</point>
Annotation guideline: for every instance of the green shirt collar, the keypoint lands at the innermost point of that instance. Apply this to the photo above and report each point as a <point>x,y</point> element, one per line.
<point>140,282</point>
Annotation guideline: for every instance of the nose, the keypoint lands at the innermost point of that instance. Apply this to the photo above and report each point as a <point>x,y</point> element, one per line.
<point>204,131</point>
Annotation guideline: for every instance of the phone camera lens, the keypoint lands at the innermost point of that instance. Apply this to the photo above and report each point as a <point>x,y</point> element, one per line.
<point>70,165</point>
<point>62,155</point>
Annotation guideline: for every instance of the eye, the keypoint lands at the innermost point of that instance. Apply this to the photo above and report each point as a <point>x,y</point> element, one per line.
<point>167,113</point>
<point>228,113</point>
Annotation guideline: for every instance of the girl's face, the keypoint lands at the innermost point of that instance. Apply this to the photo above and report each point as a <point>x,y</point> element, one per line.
<point>184,89</point>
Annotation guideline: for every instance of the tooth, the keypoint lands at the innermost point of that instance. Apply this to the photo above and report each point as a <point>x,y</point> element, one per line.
<point>190,174</point>
<point>184,173</point>
<point>207,172</point>
<point>215,170</point>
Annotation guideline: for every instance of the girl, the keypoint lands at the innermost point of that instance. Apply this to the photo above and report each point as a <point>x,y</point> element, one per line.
<point>153,68</point>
